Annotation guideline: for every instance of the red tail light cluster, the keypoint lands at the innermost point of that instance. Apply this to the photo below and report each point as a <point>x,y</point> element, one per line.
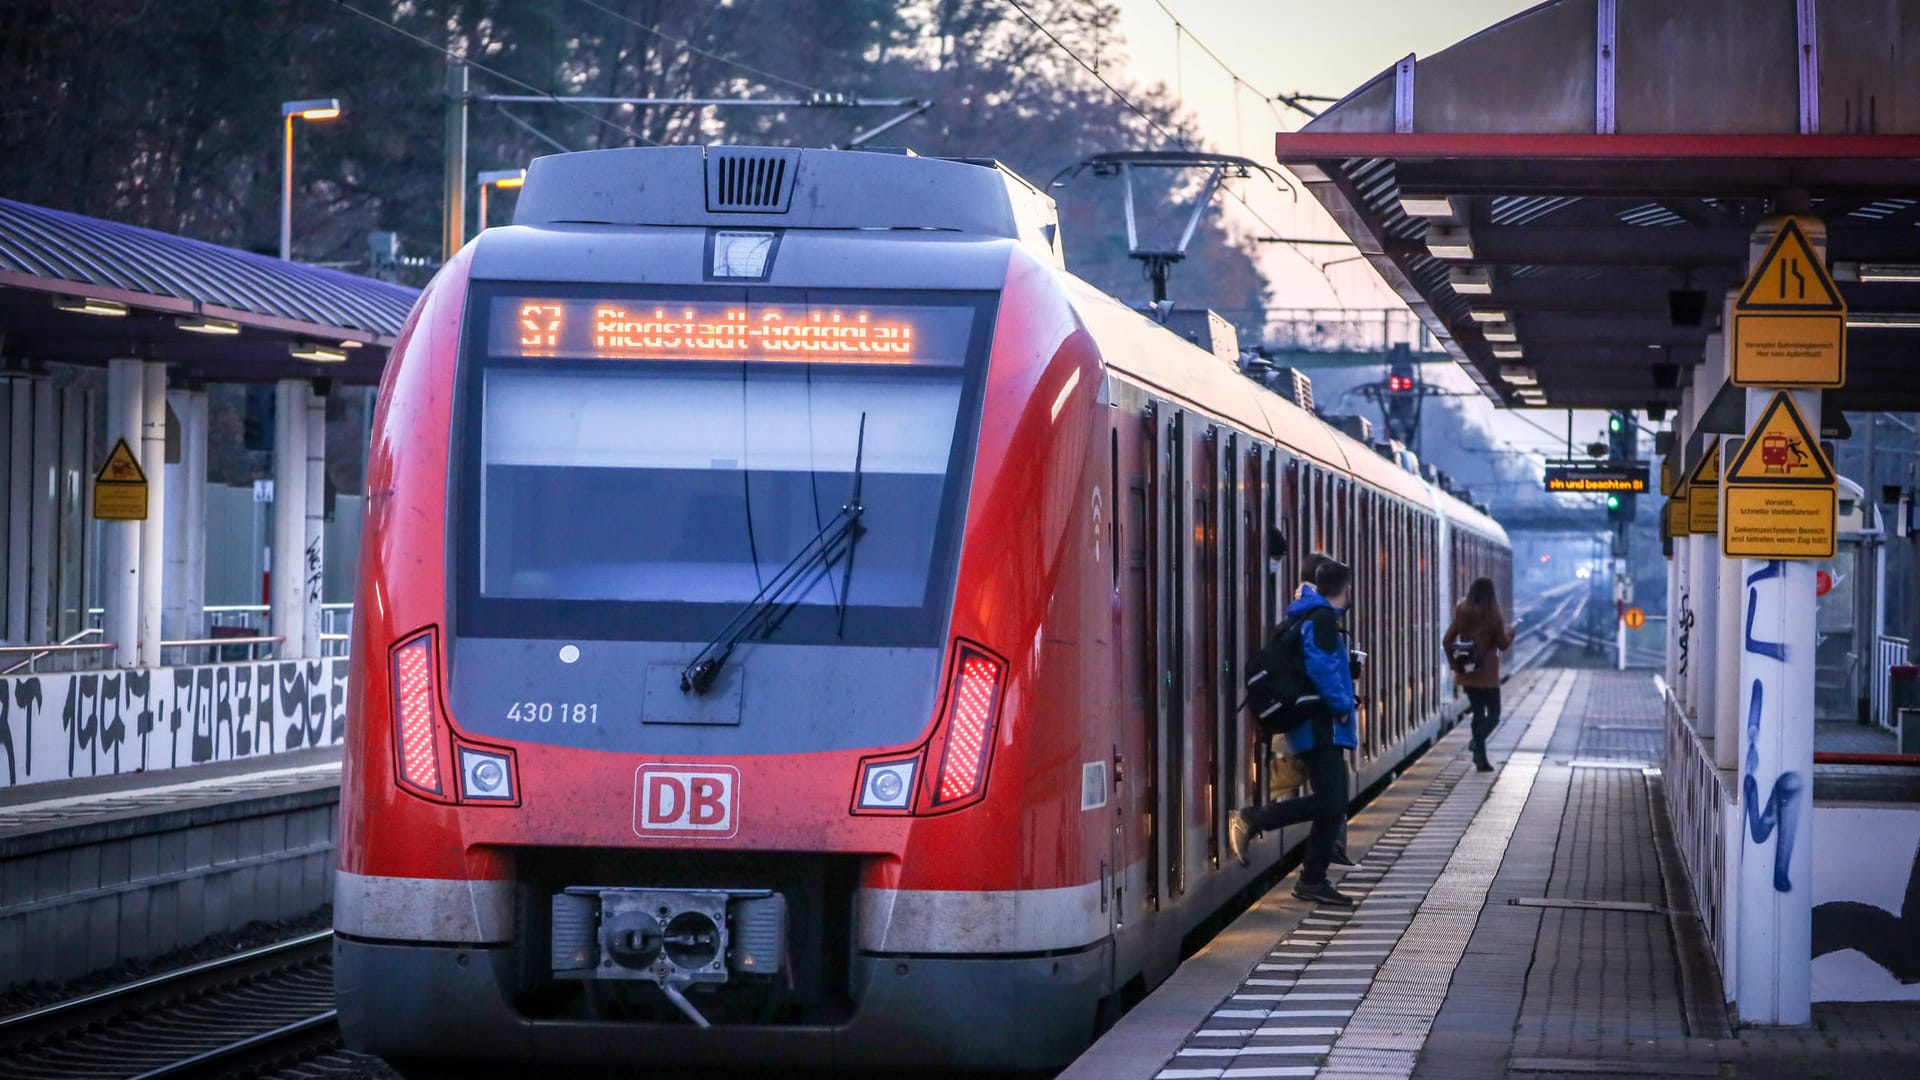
<point>962,744</point>
<point>423,740</point>
<point>973,703</point>
<point>416,714</point>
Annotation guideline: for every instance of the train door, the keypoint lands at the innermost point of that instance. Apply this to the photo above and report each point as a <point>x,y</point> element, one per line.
<point>1226,674</point>
<point>1174,634</point>
<point>1147,499</point>
<point>1208,497</point>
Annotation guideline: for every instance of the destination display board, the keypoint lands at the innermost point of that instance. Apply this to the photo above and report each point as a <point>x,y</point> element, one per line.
<point>1597,477</point>
<point>1779,492</point>
<point>609,329</point>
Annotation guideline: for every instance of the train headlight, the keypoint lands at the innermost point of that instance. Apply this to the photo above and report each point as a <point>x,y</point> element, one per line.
<point>485,776</point>
<point>886,785</point>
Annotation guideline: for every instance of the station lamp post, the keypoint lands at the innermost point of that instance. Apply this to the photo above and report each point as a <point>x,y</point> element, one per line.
<point>310,109</point>
<point>504,179</point>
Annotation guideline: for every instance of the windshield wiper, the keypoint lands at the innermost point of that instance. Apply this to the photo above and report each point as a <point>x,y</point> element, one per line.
<point>699,674</point>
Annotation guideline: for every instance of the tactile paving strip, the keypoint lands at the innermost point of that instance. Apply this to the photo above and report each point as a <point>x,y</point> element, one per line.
<point>1352,992</point>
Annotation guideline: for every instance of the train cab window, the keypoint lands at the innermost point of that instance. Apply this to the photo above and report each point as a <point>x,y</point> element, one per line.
<point>652,498</point>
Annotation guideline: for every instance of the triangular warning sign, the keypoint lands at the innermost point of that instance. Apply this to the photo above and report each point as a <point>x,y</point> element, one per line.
<point>1780,451</point>
<point>121,468</point>
<point>1708,470</point>
<point>1790,278</point>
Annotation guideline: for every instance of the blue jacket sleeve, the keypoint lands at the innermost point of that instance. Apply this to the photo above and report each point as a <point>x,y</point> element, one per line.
<point>1326,652</point>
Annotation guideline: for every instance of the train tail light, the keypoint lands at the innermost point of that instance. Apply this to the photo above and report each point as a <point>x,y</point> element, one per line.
<point>973,707</point>
<point>416,715</point>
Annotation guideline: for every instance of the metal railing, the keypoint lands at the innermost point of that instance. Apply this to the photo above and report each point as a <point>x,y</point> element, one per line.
<point>221,650</point>
<point>1887,651</point>
<point>336,622</point>
<point>73,650</point>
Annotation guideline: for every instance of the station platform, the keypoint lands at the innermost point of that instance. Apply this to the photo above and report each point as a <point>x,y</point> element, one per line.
<point>109,869</point>
<point>1535,921</point>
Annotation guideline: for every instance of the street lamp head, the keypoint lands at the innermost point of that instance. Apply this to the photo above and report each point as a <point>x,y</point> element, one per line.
<point>311,108</point>
<point>502,178</point>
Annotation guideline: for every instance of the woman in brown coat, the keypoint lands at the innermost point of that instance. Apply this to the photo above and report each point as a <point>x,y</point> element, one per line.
<point>1474,640</point>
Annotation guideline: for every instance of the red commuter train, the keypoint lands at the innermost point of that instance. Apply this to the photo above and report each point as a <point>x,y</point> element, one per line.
<point>799,623</point>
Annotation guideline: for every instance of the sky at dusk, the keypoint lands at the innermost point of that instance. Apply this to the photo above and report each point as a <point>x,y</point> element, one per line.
<point>1292,46</point>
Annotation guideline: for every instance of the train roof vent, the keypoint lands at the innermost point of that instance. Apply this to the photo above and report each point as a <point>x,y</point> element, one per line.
<point>751,179</point>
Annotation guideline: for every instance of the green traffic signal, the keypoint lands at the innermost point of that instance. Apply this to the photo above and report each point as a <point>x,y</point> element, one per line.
<point>1613,502</point>
<point>1614,423</point>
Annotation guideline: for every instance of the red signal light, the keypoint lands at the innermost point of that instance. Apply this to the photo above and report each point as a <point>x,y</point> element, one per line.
<point>973,706</point>
<point>1399,383</point>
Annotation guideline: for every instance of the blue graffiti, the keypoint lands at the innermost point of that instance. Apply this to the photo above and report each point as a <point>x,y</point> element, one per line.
<point>1773,650</point>
<point>1782,803</point>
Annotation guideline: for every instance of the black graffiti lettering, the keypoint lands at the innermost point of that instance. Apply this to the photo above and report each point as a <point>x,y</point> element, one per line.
<point>337,690</point>
<point>293,703</point>
<point>316,713</point>
<point>6,735</point>
<point>28,696</point>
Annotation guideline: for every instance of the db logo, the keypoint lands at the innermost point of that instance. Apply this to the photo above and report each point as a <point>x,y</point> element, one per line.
<point>685,800</point>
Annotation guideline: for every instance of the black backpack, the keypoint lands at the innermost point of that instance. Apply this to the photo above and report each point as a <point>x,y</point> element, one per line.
<point>1277,678</point>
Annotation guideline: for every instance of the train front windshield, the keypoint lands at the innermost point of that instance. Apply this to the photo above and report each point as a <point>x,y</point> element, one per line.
<point>641,467</point>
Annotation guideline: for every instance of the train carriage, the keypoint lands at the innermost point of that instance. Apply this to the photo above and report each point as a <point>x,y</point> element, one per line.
<point>803,624</point>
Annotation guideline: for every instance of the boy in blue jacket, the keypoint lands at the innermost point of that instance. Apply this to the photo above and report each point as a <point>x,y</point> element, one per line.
<point>1321,729</point>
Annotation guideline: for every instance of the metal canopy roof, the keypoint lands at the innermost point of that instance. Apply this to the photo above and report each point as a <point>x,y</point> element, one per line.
<point>161,278</point>
<point>1590,202</point>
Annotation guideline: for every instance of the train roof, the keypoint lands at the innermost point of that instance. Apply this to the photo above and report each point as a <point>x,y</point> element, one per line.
<point>1137,346</point>
<point>788,188</point>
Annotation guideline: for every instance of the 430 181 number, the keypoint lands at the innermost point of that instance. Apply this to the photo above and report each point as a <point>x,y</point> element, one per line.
<point>553,712</point>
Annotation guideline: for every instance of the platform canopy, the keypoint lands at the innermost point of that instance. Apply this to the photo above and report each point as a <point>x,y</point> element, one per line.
<point>80,290</point>
<point>1588,169</point>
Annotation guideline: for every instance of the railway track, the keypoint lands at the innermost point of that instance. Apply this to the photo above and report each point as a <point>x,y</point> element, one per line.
<point>1547,620</point>
<point>237,1015</point>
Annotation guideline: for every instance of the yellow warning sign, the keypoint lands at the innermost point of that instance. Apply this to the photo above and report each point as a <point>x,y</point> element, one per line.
<point>1779,523</point>
<point>1703,493</point>
<point>1669,475</point>
<point>1635,618</point>
<point>1676,519</point>
<point>1781,451</point>
<point>120,487</point>
<point>1790,323</point>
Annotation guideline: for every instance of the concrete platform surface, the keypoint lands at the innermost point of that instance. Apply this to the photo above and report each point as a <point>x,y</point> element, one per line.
<point>1531,922</point>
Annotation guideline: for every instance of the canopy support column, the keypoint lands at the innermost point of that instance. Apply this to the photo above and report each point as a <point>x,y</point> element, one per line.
<point>288,583</point>
<point>120,592</point>
<point>313,563</point>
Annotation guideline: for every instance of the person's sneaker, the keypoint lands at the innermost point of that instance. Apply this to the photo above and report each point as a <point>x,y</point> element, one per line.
<point>1340,856</point>
<point>1484,767</point>
<point>1321,892</point>
<point>1238,833</point>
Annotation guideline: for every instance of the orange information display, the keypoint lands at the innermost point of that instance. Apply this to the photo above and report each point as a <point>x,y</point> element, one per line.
<point>597,329</point>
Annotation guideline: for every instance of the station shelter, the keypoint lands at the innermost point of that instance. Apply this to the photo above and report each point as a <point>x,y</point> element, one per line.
<point>1618,204</point>
<point>185,427</point>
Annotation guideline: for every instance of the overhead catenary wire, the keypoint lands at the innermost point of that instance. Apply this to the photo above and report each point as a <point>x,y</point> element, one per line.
<point>709,54</point>
<point>494,73</point>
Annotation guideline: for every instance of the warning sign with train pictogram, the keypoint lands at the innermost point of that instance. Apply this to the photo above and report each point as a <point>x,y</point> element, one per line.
<point>120,487</point>
<point>1779,493</point>
<point>1790,322</point>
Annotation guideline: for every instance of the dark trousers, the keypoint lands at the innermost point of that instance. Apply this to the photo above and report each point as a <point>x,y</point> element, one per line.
<point>1327,808</point>
<point>1485,706</point>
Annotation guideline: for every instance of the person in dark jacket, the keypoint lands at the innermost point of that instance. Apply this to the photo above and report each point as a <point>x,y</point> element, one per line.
<point>1479,623</point>
<point>1320,730</point>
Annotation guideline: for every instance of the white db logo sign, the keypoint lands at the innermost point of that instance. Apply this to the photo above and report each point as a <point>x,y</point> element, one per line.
<point>685,800</point>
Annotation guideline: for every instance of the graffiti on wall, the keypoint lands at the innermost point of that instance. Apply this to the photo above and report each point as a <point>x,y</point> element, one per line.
<point>1866,913</point>
<point>100,723</point>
